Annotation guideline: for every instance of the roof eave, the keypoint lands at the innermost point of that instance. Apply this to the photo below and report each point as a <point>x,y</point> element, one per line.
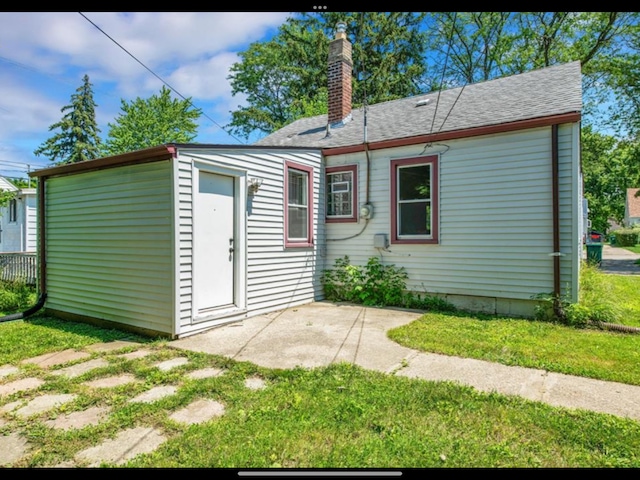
<point>570,117</point>
<point>163,152</point>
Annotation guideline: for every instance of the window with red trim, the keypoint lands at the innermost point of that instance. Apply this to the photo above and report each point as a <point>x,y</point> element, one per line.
<point>414,200</point>
<point>342,193</point>
<point>298,208</point>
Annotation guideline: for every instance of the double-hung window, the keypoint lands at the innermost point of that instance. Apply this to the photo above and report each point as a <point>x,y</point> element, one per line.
<point>342,194</point>
<point>414,200</point>
<point>298,196</point>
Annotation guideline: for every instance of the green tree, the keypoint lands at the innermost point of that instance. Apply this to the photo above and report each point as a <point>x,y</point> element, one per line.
<point>621,83</point>
<point>610,166</point>
<point>469,47</point>
<point>285,78</point>
<point>78,138</point>
<point>151,122</point>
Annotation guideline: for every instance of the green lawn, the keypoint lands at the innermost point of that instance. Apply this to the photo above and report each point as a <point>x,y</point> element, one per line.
<point>634,249</point>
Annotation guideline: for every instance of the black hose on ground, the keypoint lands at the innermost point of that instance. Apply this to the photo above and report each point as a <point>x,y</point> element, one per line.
<point>28,312</point>
<point>617,327</point>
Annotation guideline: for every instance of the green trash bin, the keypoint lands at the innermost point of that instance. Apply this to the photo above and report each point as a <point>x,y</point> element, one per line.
<point>594,253</point>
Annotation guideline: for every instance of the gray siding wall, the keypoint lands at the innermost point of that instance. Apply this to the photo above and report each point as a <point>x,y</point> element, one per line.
<point>109,245</point>
<point>495,216</point>
<point>276,277</point>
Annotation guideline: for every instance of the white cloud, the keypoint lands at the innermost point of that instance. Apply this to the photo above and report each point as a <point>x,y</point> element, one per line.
<point>44,55</point>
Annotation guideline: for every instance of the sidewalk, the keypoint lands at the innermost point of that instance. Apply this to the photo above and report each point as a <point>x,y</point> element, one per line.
<point>619,261</point>
<point>321,333</point>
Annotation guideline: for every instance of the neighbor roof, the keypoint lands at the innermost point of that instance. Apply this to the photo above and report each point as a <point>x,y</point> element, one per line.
<point>538,94</point>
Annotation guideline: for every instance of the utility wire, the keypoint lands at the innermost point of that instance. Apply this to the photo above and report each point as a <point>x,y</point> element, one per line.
<point>158,77</point>
<point>444,69</point>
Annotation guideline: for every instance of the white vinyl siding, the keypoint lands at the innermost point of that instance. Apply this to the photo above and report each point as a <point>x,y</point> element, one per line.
<point>20,234</point>
<point>276,277</point>
<point>495,216</point>
<point>31,223</point>
<point>109,245</point>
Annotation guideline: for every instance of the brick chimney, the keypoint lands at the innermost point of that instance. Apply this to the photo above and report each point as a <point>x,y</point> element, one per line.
<point>339,75</point>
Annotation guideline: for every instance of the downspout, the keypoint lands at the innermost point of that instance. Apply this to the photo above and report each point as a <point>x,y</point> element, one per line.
<point>557,304</point>
<point>41,261</point>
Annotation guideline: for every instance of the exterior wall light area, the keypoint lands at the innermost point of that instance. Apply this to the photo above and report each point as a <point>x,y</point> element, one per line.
<point>253,184</point>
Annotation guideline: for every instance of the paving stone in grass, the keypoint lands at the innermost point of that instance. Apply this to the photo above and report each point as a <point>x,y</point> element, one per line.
<point>12,448</point>
<point>173,363</point>
<point>113,381</point>
<point>255,383</point>
<point>6,370</point>
<point>127,445</point>
<point>155,393</point>
<point>205,373</point>
<point>81,368</point>
<point>56,358</point>
<point>143,352</point>
<point>20,385</point>
<point>44,403</point>
<point>198,411</point>
<point>77,420</point>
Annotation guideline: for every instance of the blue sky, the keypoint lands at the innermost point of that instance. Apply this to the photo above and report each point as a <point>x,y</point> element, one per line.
<point>44,55</point>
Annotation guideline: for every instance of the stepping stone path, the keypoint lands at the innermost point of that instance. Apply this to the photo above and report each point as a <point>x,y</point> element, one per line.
<point>14,446</point>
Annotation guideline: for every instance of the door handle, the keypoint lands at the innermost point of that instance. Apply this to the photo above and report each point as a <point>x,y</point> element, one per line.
<point>231,245</point>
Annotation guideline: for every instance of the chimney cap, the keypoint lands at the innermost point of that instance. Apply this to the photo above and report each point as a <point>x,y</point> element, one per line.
<point>341,29</point>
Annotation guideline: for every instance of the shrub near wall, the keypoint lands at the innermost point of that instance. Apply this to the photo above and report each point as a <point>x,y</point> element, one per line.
<point>376,284</point>
<point>627,237</point>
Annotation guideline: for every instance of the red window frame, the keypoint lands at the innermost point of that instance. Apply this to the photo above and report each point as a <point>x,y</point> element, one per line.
<point>433,238</point>
<point>308,241</point>
<point>354,193</point>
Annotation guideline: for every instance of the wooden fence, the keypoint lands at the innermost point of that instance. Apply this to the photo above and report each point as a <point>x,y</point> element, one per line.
<point>19,267</point>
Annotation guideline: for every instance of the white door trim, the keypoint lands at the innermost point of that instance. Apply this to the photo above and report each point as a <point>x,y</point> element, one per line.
<point>240,241</point>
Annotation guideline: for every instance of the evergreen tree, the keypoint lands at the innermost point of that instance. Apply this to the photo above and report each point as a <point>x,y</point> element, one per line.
<point>151,122</point>
<point>78,139</point>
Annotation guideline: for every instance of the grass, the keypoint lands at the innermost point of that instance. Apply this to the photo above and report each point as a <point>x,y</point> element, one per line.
<point>342,416</point>
<point>615,297</point>
<point>588,352</point>
<point>634,249</point>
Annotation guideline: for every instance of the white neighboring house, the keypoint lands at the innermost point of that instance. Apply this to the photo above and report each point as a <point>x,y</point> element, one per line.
<point>18,219</point>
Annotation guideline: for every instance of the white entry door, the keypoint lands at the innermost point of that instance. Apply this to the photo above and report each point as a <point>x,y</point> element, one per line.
<point>213,229</point>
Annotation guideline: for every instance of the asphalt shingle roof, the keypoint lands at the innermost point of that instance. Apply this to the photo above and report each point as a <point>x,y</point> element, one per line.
<point>539,93</point>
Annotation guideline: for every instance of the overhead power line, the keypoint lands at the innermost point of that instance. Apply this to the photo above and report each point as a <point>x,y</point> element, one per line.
<point>157,76</point>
